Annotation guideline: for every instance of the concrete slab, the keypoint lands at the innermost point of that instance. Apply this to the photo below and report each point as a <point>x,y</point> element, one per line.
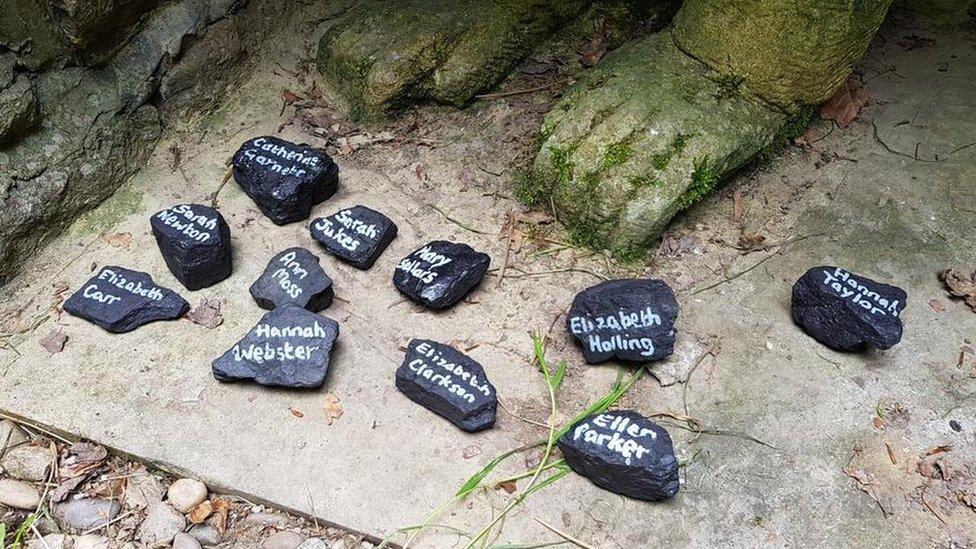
<point>825,472</point>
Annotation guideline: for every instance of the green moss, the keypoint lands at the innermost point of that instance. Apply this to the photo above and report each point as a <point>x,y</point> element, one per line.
<point>630,253</point>
<point>531,188</point>
<point>617,154</point>
<point>661,161</point>
<point>729,85</point>
<point>642,182</point>
<point>704,179</point>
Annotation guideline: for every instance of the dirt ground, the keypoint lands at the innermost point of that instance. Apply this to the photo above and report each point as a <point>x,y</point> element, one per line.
<point>785,441</point>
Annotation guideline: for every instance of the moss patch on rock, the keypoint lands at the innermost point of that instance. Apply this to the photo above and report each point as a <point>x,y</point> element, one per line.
<point>644,135</point>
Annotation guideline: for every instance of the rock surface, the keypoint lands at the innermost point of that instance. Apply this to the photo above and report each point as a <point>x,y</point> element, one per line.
<point>630,320</point>
<point>847,312</point>
<point>285,179</point>
<point>87,513</point>
<point>17,494</point>
<point>640,137</point>
<point>625,453</point>
<point>27,462</point>
<point>11,435</point>
<point>92,541</point>
<point>160,526</point>
<point>185,541</point>
<point>195,242</point>
<point>441,273</point>
<point>185,494</point>
<point>289,347</point>
<point>120,300</point>
<point>357,235</point>
<point>448,383</point>
<point>293,276</point>
<point>283,540</point>
<point>205,534</point>
<point>18,110</point>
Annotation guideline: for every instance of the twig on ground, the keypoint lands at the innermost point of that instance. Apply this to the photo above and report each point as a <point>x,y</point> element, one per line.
<point>499,95</point>
<point>779,250</point>
<point>563,535</point>
<point>878,140</point>
<point>455,221</point>
<point>525,419</point>
<point>213,199</point>
<point>512,221</point>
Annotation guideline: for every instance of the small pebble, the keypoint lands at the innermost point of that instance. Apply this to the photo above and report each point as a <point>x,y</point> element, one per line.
<point>186,493</point>
<point>88,513</point>
<point>185,541</point>
<point>27,462</point>
<point>283,540</point>
<point>205,534</point>
<point>161,525</point>
<point>51,541</point>
<point>92,541</point>
<point>954,425</point>
<point>313,543</point>
<point>18,494</point>
<point>266,519</point>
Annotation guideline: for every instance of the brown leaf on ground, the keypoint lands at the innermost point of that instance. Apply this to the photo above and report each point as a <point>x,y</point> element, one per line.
<point>508,486</point>
<point>80,459</point>
<point>118,240</point>
<point>866,483</point>
<point>750,241</point>
<point>206,314</point>
<point>289,97</point>
<point>960,285</point>
<point>333,410</point>
<point>737,206</point>
<point>54,341</point>
<point>937,305</point>
<point>200,513</point>
<point>219,518</point>
<point>538,217</point>
<point>596,48</point>
<point>807,139</point>
<point>295,412</point>
<point>845,105</point>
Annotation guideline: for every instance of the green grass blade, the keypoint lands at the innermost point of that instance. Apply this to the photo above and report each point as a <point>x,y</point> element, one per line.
<point>557,378</point>
<point>476,478</point>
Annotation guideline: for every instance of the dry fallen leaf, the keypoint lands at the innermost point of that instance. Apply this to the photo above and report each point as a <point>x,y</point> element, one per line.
<point>201,512</point>
<point>937,305</point>
<point>737,206</point>
<point>750,241</point>
<point>295,412</point>
<point>845,105</point>
<point>54,342</point>
<point>288,97</point>
<point>508,486</point>
<point>960,285</point>
<point>219,518</point>
<point>118,240</point>
<point>333,410</point>
<point>206,314</point>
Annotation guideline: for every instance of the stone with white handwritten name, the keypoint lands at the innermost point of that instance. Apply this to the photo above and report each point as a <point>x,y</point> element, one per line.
<point>441,273</point>
<point>631,320</point>
<point>624,452</point>
<point>120,300</point>
<point>846,311</point>
<point>195,242</point>
<point>289,347</point>
<point>293,276</point>
<point>448,383</point>
<point>357,235</point>
<point>285,179</point>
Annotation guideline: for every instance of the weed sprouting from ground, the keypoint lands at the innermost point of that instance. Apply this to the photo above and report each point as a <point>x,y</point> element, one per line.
<point>548,471</point>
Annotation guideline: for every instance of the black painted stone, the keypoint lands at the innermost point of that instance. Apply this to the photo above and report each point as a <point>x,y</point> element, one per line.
<point>293,276</point>
<point>195,242</point>
<point>625,453</point>
<point>289,347</point>
<point>285,179</point>
<point>847,312</point>
<point>448,383</point>
<point>120,300</point>
<point>441,273</point>
<point>631,320</point>
<point>356,235</point>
